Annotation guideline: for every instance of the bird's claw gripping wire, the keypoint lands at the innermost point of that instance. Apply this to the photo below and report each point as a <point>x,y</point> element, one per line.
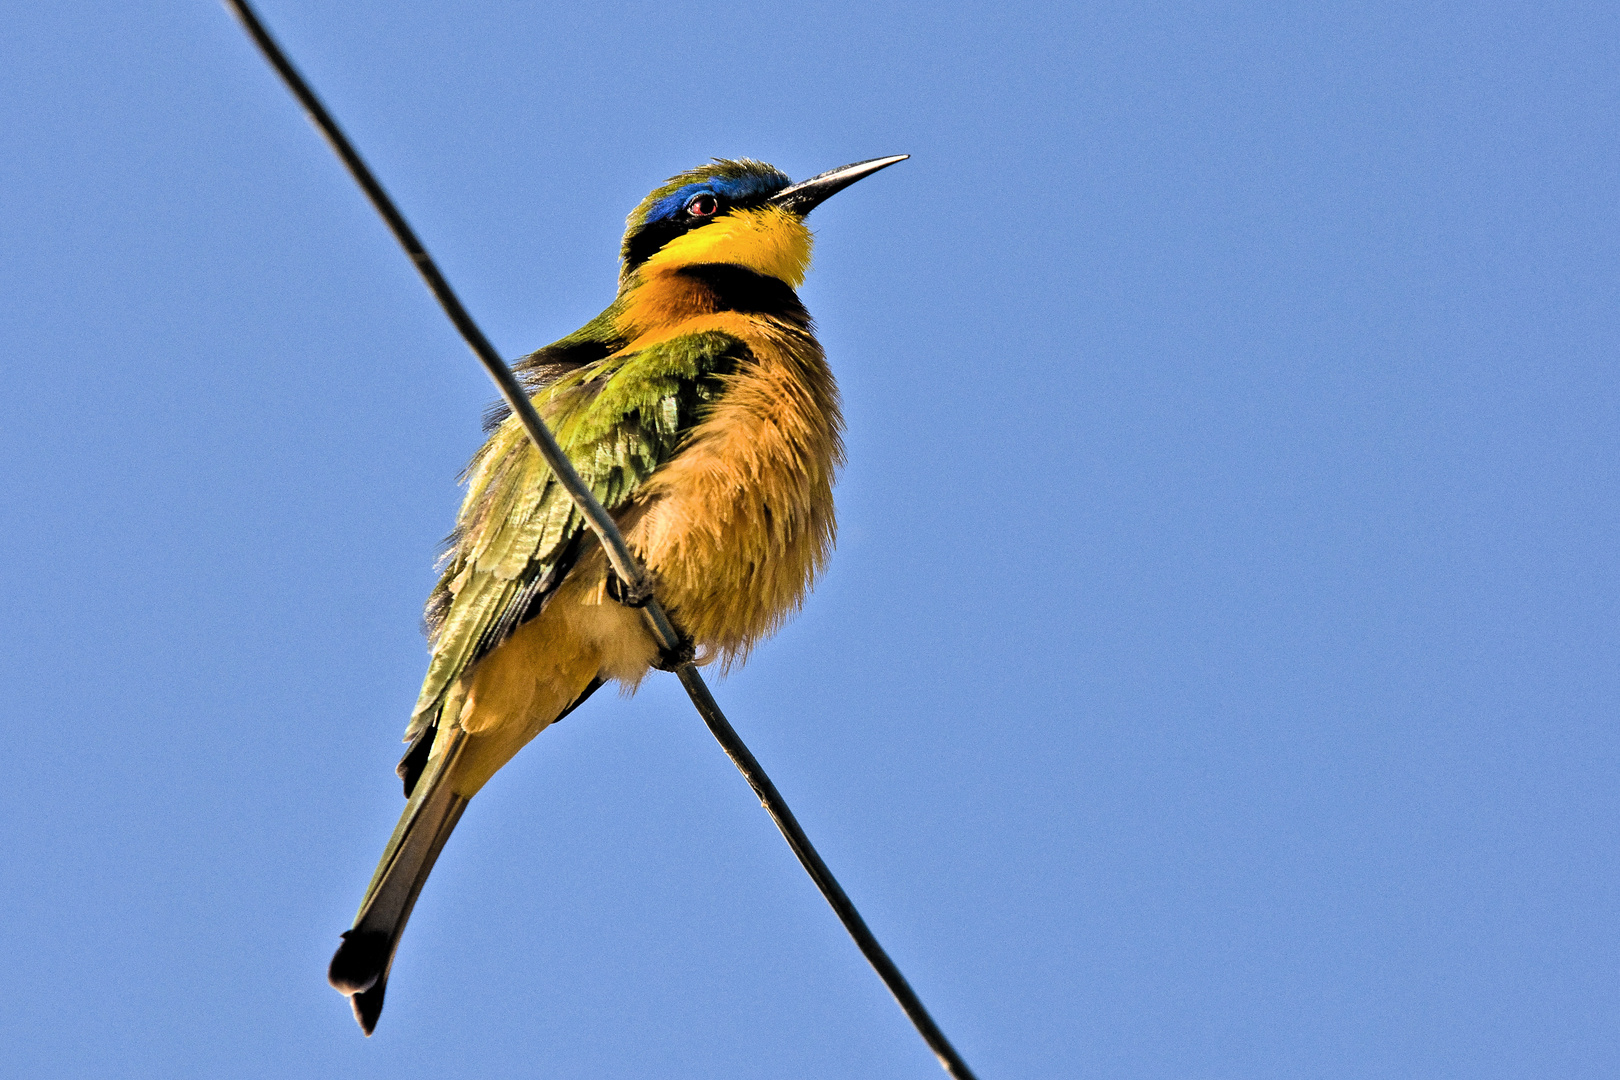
<point>669,658</point>
<point>674,659</point>
<point>625,594</point>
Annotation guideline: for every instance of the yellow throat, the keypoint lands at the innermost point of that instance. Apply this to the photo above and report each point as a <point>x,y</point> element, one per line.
<point>767,240</point>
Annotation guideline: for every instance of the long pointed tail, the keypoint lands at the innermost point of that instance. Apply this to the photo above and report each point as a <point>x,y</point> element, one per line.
<point>360,966</point>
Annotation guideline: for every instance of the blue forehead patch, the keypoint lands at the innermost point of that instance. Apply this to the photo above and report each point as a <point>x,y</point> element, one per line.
<point>732,189</point>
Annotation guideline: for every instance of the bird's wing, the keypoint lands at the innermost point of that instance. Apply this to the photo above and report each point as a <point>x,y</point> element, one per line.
<point>618,419</point>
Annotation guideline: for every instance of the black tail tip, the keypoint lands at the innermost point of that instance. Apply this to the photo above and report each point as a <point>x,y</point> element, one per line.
<point>368,1007</point>
<point>359,969</point>
<point>359,962</point>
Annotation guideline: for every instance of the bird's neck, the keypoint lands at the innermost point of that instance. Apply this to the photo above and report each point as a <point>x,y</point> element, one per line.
<point>659,298</point>
<point>658,301</point>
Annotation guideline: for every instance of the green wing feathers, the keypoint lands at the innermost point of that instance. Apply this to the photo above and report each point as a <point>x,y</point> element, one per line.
<point>618,419</point>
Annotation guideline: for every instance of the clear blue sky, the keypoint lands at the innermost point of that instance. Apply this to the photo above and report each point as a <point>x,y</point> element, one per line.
<point>1217,676</point>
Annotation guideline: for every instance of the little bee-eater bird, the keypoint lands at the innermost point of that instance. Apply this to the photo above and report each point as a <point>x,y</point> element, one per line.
<point>700,410</point>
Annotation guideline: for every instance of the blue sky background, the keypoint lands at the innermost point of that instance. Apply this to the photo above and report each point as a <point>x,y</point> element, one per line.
<point>1217,674</point>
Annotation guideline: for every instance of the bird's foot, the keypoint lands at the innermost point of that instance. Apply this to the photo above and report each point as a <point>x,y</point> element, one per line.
<point>622,593</point>
<point>678,657</point>
<point>618,591</point>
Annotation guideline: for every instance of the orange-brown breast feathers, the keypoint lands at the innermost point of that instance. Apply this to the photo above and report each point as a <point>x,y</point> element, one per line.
<point>737,527</point>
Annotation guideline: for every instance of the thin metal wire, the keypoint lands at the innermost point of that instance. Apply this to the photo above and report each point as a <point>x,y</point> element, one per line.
<point>777,807</point>
<point>624,562</point>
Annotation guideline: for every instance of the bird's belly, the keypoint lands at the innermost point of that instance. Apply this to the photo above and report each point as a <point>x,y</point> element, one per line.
<point>524,684</point>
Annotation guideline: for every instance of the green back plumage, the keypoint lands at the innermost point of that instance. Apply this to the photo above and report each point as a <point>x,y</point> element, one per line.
<point>618,417</point>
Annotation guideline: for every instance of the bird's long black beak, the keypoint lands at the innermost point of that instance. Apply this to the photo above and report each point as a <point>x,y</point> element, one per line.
<point>806,195</point>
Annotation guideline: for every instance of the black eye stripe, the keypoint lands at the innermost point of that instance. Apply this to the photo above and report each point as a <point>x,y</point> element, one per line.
<point>655,234</point>
<point>642,244</point>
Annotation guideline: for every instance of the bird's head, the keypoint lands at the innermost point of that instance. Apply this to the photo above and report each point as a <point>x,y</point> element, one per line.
<point>735,213</point>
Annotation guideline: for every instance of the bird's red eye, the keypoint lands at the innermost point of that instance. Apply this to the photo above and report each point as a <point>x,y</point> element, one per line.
<point>703,206</point>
